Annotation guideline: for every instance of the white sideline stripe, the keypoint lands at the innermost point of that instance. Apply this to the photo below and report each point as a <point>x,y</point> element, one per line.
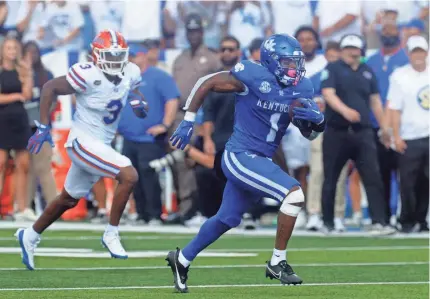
<point>219,286</point>
<point>225,266</point>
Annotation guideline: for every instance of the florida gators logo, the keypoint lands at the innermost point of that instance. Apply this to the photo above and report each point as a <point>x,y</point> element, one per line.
<point>423,97</point>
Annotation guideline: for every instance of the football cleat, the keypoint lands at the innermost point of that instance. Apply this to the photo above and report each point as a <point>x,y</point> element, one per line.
<point>27,248</point>
<point>282,272</point>
<point>180,273</point>
<point>112,242</point>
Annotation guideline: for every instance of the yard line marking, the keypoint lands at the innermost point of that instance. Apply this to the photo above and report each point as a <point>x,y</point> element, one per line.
<point>216,286</point>
<point>369,248</point>
<point>224,266</point>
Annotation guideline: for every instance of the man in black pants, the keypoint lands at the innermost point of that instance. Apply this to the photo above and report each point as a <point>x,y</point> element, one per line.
<point>408,98</point>
<point>351,92</point>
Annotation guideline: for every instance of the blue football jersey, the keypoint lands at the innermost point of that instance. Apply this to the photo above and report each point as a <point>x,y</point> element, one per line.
<point>261,111</point>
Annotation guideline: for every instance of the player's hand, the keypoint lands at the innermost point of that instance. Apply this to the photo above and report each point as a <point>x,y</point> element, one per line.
<point>140,108</point>
<point>400,145</point>
<point>181,137</point>
<point>42,134</point>
<point>352,115</point>
<point>385,137</point>
<point>209,146</point>
<point>310,111</point>
<point>157,130</point>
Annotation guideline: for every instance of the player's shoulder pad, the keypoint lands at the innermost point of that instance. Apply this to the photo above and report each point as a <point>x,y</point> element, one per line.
<point>306,88</point>
<point>251,73</point>
<point>133,72</point>
<point>83,76</point>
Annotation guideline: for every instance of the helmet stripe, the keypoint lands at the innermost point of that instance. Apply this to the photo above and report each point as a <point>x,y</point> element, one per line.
<point>114,39</point>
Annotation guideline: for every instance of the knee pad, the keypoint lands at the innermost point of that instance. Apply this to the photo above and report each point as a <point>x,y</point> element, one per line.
<point>293,197</point>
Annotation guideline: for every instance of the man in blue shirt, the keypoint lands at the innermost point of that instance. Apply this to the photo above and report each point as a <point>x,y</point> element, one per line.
<point>383,64</point>
<point>144,139</point>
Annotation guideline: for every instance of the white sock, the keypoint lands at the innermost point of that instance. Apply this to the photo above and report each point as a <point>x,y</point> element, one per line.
<point>184,262</point>
<point>32,234</point>
<point>101,212</point>
<point>278,256</point>
<point>111,229</point>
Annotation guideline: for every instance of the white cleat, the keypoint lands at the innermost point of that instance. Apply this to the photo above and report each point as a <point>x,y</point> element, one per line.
<point>314,223</point>
<point>112,242</point>
<point>27,248</point>
<point>338,225</point>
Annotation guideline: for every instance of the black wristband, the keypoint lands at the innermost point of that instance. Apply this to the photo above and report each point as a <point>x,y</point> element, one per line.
<point>319,128</point>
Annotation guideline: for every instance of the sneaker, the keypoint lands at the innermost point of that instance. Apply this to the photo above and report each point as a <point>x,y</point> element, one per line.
<point>380,230</point>
<point>100,219</point>
<point>180,273</point>
<point>196,221</point>
<point>112,242</point>
<point>314,223</point>
<point>357,219</point>
<point>327,229</point>
<point>27,248</point>
<point>26,215</point>
<point>301,220</point>
<point>155,222</point>
<point>338,225</point>
<point>248,222</point>
<point>283,272</point>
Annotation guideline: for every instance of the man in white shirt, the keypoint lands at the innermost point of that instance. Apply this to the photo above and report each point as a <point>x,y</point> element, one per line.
<point>64,20</point>
<point>408,97</point>
<point>141,20</point>
<point>299,14</point>
<point>334,19</point>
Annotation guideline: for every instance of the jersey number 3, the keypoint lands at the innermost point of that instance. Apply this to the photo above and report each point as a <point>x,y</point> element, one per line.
<point>114,108</point>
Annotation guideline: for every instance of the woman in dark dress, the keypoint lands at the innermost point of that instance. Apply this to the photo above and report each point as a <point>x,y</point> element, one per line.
<point>16,84</point>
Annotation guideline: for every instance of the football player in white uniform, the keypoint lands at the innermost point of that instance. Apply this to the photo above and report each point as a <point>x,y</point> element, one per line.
<point>102,88</point>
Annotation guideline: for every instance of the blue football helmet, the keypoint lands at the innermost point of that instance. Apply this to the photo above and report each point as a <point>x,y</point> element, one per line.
<point>282,55</point>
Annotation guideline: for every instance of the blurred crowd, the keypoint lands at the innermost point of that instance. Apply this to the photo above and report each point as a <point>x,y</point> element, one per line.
<point>210,36</point>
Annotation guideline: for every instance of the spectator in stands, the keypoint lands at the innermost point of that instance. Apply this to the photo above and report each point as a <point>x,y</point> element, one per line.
<point>213,14</point>
<point>190,66</point>
<point>9,10</point>
<point>246,22</point>
<point>153,55</point>
<point>63,20</point>
<point>107,14</point>
<point>254,49</point>
<point>40,169</point>
<point>145,139</point>
<point>16,84</point>
<point>299,14</point>
<point>141,20</point>
<point>30,15</point>
<point>409,105</point>
<point>334,19</point>
<point>316,177</point>
<point>383,63</point>
<point>414,27</point>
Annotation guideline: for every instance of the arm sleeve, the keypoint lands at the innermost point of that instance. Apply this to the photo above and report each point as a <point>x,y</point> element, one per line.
<point>394,96</point>
<point>169,89</point>
<point>374,84</point>
<point>243,71</point>
<point>136,78</point>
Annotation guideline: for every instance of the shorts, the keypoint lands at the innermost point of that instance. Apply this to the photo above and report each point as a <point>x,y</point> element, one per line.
<point>296,148</point>
<point>91,161</point>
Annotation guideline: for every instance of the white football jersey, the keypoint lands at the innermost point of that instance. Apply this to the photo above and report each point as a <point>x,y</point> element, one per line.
<point>99,102</point>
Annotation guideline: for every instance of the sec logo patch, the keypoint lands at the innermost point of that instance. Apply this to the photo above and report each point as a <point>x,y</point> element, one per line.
<point>423,98</point>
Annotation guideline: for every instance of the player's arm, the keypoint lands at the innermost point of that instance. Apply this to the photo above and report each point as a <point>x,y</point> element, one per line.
<point>50,91</point>
<point>222,82</point>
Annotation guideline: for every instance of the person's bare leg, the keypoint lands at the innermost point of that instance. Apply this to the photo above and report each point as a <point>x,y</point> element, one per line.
<point>22,163</point>
<point>54,210</point>
<point>99,190</point>
<point>3,165</point>
<point>354,189</point>
<point>127,178</point>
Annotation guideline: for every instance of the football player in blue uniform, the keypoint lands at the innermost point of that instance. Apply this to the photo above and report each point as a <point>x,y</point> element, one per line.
<point>264,94</point>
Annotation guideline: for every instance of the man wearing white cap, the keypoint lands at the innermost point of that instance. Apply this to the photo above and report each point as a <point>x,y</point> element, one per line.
<point>408,102</point>
<point>351,92</point>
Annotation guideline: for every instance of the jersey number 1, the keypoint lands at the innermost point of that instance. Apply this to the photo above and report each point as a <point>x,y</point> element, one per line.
<point>274,119</point>
<point>114,107</point>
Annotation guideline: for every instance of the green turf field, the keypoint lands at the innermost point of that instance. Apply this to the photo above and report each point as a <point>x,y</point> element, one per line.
<point>332,268</point>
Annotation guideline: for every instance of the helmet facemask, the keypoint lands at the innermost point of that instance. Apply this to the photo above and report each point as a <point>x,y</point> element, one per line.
<point>290,69</point>
<point>111,61</point>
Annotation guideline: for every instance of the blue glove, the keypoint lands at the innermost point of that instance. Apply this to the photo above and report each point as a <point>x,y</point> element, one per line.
<point>42,134</point>
<point>181,137</point>
<point>140,108</point>
<point>310,112</point>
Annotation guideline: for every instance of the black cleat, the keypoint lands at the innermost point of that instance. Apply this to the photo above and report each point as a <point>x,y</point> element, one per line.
<point>283,272</point>
<point>180,273</point>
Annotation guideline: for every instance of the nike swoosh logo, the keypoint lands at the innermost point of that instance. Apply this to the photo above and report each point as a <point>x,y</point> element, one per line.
<point>277,275</point>
<point>317,112</point>
<point>295,93</point>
